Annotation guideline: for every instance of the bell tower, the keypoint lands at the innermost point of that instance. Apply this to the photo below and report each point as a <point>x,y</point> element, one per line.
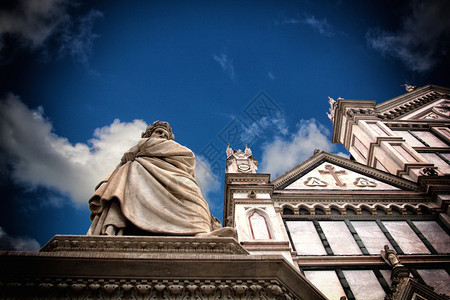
<point>240,162</point>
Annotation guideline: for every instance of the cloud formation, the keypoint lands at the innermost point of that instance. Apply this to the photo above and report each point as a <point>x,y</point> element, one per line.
<point>225,63</point>
<point>32,24</point>
<point>264,127</point>
<point>39,157</point>
<point>283,153</point>
<point>422,39</point>
<point>320,25</point>
<point>10,243</point>
<point>33,21</point>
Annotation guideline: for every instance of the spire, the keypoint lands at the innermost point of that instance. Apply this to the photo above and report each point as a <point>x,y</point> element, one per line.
<point>247,150</point>
<point>229,150</point>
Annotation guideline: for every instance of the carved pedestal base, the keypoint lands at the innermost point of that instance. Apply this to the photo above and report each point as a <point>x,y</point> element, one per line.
<point>103,267</point>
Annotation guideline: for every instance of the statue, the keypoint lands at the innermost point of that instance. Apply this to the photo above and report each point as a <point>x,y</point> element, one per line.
<point>153,191</point>
<point>409,87</point>
<point>390,257</point>
<point>332,108</point>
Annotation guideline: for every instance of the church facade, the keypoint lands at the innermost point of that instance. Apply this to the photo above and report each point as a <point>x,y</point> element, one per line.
<point>369,227</point>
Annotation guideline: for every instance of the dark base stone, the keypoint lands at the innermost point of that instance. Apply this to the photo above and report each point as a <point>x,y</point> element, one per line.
<point>137,267</point>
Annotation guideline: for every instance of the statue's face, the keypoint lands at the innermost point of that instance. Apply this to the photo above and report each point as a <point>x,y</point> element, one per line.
<point>160,133</point>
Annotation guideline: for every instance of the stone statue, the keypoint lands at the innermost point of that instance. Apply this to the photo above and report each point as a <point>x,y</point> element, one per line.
<point>390,257</point>
<point>409,87</point>
<point>153,191</point>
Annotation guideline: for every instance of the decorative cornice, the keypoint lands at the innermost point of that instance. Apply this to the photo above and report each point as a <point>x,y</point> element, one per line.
<point>372,260</point>
<point>147,245</point>
<point>406,105</point>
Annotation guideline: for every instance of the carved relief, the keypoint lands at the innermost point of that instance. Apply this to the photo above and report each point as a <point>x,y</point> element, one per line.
<point>329,169</point>
<point>364,182</point>
<point>68,288</point>
<point>314,181</point>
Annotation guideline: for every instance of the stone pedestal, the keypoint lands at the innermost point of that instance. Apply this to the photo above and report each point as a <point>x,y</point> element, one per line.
<point>75,267</point>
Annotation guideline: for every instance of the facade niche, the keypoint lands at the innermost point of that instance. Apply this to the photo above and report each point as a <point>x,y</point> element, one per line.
<point>287,211</point>
<point>259,226</point>
<point>319,211</point>
<point>303,212</point>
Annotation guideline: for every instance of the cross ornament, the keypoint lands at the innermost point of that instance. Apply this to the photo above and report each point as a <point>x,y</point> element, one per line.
<point>329,169</point>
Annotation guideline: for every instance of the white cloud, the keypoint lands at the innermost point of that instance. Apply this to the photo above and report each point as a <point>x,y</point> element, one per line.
<point>422,39</point>
<point>41,158</point>
<point>207,181</point>
<point>276,124</point>
<point>9,243</point>
<point>286,152</point>
<point>270,75</point>
<point>31,24</point>
<point>226,64</point>
<point>33,21</point>
<point>321,25</point>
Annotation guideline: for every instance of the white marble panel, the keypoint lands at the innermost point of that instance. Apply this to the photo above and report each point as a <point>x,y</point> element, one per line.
<point>437,278</point>
<point>259,226</point>
<point>437,161</point>
<point>305,238</point>
<point>435,235</point>
<point>327,282</point>
<point>364,285</point>
<point>405,237</point>
<point>430,139</point>
<point>409,138</point>
<point>371,235</point>
<point>339,237</point>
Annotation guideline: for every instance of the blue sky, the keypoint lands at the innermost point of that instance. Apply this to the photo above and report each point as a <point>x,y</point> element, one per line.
<point>80,81</point>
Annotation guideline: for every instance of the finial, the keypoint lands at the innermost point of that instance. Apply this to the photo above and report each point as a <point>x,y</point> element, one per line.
<point>229,151</point>
<point>332,103</point>
<point>409,87</point>
<point>247,150</point>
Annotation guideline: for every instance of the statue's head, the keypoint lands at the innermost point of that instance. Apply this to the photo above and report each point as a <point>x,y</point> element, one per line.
<point>158,125</point>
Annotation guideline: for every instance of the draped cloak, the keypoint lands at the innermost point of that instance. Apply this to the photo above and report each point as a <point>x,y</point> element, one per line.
<point>156,192</point>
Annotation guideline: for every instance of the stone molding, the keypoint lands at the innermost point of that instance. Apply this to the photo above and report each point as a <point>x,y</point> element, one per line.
<point>371,260</point>
<point>147,244</point>
<point>113,288</point>
<point>409,106</point>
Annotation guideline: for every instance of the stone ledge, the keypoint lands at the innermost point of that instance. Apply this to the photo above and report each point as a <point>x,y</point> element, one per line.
<point>144,244</point>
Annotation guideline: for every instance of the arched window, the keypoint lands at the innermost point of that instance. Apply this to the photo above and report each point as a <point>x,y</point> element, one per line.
<point>303,211</point>
<point>381,212</point>
<point>258,226</point>
<point>410,210</point>
<point>425,210</point>
<point>365,211</point>
<point>350,212</point>
<point>335,211</point>
<point>319,211</point>
<point>396,211</point>
<point>287,211</point>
